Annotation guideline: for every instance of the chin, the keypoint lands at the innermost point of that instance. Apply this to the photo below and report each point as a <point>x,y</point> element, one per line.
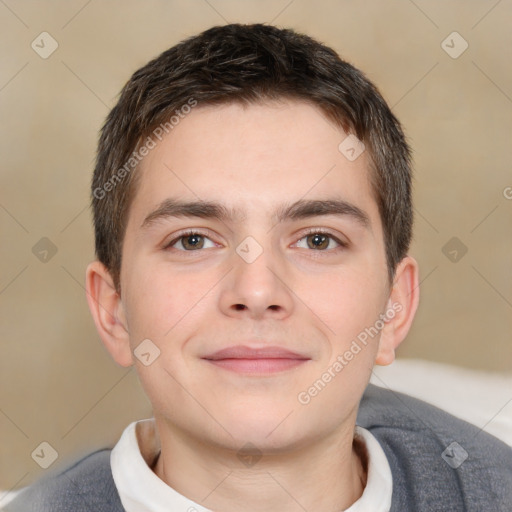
<point>267,429</point>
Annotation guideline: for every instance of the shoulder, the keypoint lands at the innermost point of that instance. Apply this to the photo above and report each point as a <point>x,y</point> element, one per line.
<point>85,486</point>
<point>438,461</point>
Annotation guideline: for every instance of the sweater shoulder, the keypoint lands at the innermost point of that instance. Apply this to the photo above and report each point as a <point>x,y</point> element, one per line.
<point>85,486</point>
<point>438,461</point>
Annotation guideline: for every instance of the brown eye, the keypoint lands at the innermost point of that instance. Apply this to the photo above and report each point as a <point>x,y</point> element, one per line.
<point>190,242</point>
<point>318,241</point>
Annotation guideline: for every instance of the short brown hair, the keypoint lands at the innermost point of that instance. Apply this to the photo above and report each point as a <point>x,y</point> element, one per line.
<point>247,64</point>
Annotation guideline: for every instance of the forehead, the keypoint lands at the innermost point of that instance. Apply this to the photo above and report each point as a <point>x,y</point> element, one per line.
<point>253,158</point>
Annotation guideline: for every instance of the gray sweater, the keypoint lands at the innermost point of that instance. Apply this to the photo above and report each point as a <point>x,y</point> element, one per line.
<point>429,475</point>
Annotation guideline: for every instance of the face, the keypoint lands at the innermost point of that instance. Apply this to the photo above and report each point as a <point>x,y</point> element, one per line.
<point>252,299</point>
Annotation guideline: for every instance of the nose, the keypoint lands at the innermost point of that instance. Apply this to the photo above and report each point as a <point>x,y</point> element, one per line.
<point>256,288</point>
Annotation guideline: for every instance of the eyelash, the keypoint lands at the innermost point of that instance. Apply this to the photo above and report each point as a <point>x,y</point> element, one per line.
<point>310,231</point>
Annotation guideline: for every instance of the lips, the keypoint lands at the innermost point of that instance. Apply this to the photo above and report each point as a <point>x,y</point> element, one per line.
<point>256,361</point>
<point>244,352</point>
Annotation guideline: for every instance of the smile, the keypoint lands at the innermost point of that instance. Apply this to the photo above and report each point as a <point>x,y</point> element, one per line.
<point>257,366</point>
<point>260,361</point>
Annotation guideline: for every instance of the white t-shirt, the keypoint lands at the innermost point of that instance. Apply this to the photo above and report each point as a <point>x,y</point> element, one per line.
<point>141,490</point>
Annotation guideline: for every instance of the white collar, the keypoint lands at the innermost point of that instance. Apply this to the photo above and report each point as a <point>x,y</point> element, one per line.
<point>141,490</point>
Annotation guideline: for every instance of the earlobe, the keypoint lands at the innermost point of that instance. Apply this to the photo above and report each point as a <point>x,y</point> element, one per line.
<point>401,308</point>
<point>108,313</point>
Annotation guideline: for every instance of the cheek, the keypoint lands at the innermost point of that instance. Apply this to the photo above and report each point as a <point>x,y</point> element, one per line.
<point>348,311</point>
<point>162,307</point>
<point>346,302</point>
<point>158,300</point>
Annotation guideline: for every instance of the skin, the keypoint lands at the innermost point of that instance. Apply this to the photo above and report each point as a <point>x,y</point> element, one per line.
<point>294,295</point>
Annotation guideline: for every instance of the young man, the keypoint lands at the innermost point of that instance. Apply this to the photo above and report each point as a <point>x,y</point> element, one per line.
<point>252,209</point>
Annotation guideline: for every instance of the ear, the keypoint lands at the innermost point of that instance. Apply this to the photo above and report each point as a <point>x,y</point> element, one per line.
<point>401,308</point>
<point>108,313</point>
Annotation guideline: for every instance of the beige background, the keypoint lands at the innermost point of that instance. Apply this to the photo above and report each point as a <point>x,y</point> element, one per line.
<point>57,383</point>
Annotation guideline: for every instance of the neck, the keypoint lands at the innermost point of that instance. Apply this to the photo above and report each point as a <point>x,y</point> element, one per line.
<point>328,475</point>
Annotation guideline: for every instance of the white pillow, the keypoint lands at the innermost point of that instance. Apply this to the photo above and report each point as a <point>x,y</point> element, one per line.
<point>478,397</point>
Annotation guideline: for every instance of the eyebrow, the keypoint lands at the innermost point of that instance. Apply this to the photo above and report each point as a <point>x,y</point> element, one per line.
<point>301,209</point>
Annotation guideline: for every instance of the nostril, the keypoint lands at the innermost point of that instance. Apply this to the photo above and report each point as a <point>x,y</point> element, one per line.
<point>239,307</point>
